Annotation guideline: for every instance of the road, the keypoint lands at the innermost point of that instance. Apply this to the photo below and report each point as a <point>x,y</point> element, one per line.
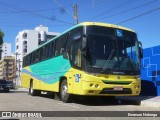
<point>20,100</point>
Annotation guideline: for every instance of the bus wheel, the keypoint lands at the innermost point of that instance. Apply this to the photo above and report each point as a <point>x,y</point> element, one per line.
<point>65,97</point>
<point>32,91</point>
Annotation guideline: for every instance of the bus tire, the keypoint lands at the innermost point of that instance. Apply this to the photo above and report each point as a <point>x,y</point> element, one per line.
<point>64,96</point>
<point>32,91</point>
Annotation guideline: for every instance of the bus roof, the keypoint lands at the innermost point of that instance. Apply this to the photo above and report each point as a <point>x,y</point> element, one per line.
<point>87,24</point>
<point>105,25</point>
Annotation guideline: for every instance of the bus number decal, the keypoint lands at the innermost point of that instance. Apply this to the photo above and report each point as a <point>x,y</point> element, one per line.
<point>77,77</point>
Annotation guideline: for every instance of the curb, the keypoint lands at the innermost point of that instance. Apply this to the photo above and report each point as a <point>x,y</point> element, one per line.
<point>150,103</point>
<point>143,100</point>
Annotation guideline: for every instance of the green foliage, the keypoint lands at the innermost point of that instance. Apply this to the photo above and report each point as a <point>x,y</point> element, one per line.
<point>1,41</point>
<point>1,37</point>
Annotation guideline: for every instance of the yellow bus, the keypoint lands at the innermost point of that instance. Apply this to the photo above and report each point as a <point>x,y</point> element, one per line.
<point>90,59</point>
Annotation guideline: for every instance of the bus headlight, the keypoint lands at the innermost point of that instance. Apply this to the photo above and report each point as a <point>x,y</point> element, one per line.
<point>91,85</point>
<point>136,86</point>
<point>96,85</point>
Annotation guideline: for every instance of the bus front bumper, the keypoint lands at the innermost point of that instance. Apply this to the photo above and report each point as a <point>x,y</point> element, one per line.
<point>102,89</point>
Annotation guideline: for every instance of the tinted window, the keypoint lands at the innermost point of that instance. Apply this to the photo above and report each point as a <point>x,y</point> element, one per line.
<point>60,44</point>
<point>74,35</point>
<point>100,30</point>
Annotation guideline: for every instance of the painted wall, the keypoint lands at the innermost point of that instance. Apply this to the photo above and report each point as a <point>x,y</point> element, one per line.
<point>150,71</point>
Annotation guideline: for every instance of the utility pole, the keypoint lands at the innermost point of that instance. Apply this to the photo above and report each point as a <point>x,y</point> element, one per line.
<point>16,61</point>
<point>75,7</point>
<point>19,65</point>
<point>76,13</point>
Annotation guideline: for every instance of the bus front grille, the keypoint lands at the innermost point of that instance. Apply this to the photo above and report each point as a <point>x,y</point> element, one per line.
<point>112,91</point>
<point>117,82</point>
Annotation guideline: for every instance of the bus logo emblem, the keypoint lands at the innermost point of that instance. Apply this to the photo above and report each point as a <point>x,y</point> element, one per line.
<point>118,77</point>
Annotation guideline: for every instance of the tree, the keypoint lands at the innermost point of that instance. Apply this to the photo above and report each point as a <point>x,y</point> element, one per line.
<point>1,41</point>
<point>1,37</point>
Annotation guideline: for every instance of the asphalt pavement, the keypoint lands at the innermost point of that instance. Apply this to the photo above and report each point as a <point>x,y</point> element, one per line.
<point>150,101</point>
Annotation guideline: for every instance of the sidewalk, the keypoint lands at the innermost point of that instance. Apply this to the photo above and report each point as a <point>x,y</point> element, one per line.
<point>151,101</point>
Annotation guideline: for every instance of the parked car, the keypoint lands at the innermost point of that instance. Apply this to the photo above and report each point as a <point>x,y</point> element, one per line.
<point>4,85</point>
<point>11,84</point>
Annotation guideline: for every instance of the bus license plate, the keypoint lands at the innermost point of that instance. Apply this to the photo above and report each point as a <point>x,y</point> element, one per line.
<point>118,88</point>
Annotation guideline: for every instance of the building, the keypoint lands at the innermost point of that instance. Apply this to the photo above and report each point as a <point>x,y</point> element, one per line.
<point>6,50</point>
<point>29,40</point>
<point>150,71</point>
<point>7,68</point>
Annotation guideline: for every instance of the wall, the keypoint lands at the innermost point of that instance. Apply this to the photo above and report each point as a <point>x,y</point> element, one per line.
<point>150,71</point>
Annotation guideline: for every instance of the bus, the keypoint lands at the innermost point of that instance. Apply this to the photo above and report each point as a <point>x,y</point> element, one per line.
<point>89,59</point>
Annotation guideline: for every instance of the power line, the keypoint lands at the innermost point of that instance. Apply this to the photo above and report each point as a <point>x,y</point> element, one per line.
<point>130,9</point>
<point>32,13</point>
<point>101,3</point>
<point>139,15</point>
<point>32,25</point>
<point>42,10</point>
<point>113,9</point>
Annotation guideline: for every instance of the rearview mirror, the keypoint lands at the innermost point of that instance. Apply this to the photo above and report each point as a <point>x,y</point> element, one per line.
<point>140,49</point>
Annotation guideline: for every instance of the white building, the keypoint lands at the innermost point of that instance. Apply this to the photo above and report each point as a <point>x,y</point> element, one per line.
<point>6,50</point>
<point>29,40</point>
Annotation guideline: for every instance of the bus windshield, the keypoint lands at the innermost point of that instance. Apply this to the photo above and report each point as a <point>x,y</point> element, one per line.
<point>112,49</point>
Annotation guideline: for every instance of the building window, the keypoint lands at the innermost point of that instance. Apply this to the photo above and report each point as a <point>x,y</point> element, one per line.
<point>25,50</point>
<point>17,47</point>
<point>25,35</point>
<point>39,35</point>
<point>25,42</point>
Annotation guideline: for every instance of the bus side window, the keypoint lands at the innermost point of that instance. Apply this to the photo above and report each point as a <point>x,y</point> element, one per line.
<point>28,59</point>
<point>33,57</point>
<point>53,48</point>
<point>65,41</point>
<point>45,52</point>
<point>50,50</point>
<point>73,35</point>
<point>60,44</point>
<point>24,61</point>
<point>38,55</point>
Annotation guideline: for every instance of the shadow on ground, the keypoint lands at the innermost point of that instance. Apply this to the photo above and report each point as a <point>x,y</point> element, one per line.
<point>97,101</point>
<point>13,91</point>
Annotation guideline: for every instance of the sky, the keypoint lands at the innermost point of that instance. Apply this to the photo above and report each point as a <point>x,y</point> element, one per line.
<point>143,16</point>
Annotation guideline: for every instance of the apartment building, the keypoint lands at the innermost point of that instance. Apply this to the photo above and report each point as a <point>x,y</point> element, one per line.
<point>7,68</point>
<point>29,40</point>
<point>6,49</point>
